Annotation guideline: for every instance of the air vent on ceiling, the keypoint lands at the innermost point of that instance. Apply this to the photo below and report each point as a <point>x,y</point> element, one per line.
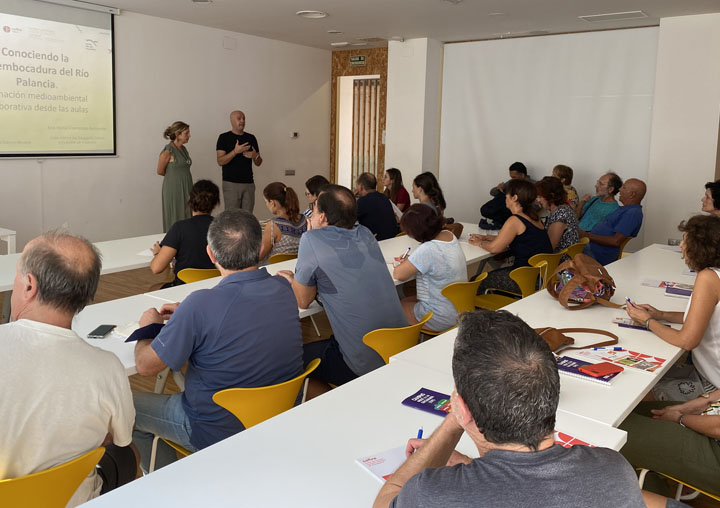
<point>615,16</point>
<point>370,39</point>
<point>202,1</point>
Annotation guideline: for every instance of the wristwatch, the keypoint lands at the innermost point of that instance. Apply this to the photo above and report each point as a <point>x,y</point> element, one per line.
<point>680,421</point>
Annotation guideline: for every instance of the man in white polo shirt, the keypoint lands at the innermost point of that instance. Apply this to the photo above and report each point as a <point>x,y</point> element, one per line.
<point>60,397</point>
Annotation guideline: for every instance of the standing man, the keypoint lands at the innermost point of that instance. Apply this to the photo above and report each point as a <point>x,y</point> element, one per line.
<point>236,152</point>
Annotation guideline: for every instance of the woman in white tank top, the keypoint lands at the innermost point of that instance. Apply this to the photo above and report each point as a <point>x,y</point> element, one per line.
<point>700,332</point>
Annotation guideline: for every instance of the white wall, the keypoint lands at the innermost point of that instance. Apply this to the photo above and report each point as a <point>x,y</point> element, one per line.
<point>579,99</point>
<point>683,148</point>
<point>165,71</point>
<point>413,100</point>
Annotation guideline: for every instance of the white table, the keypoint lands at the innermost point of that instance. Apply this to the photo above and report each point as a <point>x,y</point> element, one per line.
<point>10,237</point>
<point>115,312</point>
<point>306,456</point>
<point>117,256</point>
<point>608,405</point>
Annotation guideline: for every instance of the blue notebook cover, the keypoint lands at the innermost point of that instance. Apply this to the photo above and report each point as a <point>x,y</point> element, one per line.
<point>428,400</point>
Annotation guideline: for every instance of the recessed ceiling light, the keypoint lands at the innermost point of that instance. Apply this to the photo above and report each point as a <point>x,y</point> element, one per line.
<point>454,2</point>
<point>398,38</point>
<point>615,16</point>
<point>338,44</point>
<point>312,14</point>
<point>496,14</point>
<point>202,1</point>
<point>334,32</point>
<point>359,44</point>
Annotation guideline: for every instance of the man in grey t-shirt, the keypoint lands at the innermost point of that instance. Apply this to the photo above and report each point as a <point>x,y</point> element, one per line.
<point>507,391</point>
<point>342,264</point>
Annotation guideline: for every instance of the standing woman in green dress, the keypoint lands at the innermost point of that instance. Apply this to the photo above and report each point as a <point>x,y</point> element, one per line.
<point>174,165</point>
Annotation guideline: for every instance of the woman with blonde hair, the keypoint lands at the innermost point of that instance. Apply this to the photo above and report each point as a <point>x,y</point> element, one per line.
<point>282,232</point>
<point>174,166</point>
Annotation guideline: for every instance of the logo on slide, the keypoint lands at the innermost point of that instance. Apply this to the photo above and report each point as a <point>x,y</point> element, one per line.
<point>6,29</point>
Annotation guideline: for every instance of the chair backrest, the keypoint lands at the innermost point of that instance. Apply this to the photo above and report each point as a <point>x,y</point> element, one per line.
<point>576,248</point>
<point>255,405</point>
<point>390,341</point>
<point>462,294</point>
<point>526,277</point>
<point>622,246</point>
<point>551,260</point>
<point>51,488</point>
<point>277,258</point>
<point>195,274</point>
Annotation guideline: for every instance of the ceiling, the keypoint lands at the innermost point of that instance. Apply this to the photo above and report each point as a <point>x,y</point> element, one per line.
<point>444,20</point>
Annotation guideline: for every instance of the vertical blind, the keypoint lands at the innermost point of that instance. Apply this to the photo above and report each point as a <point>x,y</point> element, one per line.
<point>366,101</point>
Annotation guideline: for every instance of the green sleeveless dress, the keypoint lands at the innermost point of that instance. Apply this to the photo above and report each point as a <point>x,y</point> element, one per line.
<point>176,187</point>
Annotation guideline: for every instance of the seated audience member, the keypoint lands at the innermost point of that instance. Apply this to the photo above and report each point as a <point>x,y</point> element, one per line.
<point>711,199</point>
<point>187,239</point>
<point>282,233</point>
<point>561,224</point>
<point>676,439</point>
<point>312,189</point>
<point>437,262</point>
<point>625,222</point>
<point>523,234</point>
<point>565,175</point>
<point>495,211</point>
<point>700,332</point>
<point>394,189</point>
<point>342,264</point>
<point>506,395</point>
<point>61,397</point>
<point>594,209</point>
<point>426,189</point>
<point>374,210</point>
<point>244,332</point>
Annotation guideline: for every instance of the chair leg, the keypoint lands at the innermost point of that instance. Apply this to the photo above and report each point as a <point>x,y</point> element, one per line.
<point>304,391</point>
<point>179,379</point>
<point>153,454</point>
<point>161,380</point>
<point>641,477</point>
<point>315,325</point>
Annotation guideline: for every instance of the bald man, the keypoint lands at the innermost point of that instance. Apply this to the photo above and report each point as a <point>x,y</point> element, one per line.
<point>60,397</point>
<point>625,222</point>
<point>236,152</point>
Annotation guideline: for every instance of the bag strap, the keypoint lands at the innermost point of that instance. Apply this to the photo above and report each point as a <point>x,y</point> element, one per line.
<point>613,338</point>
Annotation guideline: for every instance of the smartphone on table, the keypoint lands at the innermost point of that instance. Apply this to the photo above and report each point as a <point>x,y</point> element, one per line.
<point>100,332</point>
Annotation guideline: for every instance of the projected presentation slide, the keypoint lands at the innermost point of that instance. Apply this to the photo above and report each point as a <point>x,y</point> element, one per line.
<point>56,88</point>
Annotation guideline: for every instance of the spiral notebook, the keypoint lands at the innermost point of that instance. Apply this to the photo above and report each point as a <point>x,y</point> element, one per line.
<point>569,367</point>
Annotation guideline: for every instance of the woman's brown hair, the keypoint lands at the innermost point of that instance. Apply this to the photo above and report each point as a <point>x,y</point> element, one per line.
<point>286,197</point>
<point>702,241</point>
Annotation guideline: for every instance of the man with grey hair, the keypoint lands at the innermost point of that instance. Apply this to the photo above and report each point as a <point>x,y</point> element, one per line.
<point>243,333</point>
<point>53,383</point>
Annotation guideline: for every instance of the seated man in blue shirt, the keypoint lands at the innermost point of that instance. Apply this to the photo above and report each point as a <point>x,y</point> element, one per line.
<point>506,395</point>
<point>244,332</point>
<point>625,222</point>
<point>342,264</point>
<point>374,210</point>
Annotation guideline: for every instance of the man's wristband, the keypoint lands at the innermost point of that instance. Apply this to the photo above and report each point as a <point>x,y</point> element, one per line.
<point>680,421</point>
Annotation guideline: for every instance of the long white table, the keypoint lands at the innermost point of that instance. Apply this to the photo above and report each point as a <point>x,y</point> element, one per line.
<point>605,404</point>
<point>306,456</point>
<point>117,256</point>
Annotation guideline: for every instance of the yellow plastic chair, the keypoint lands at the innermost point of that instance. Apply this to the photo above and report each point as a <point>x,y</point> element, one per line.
<point>681,483</point>
<point>551,262</point>
<point>278,258</point>
<point>153,451</point>
<point>462,296</point>
<point>576,248</point>
<point>188,275</point>
<point>51,488</point>
<point>525,277</point>
<point>622,246</point>
<point>401,233</point>
<point>255,405</point>
<point>390,341</point>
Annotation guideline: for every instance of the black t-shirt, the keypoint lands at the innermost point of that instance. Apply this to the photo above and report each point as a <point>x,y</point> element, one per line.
<point>189,238</point>
<point>376,213</point>
<point>239,169</point>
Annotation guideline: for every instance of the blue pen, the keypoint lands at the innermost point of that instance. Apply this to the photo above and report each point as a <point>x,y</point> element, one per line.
<point>611,349</point>
<point>420,433</point>
<point>628,300</point>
